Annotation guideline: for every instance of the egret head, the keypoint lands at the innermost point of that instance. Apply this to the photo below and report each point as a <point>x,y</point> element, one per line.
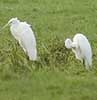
<point>10,22</point>
<point>68,43</point>
<point>13,21</point>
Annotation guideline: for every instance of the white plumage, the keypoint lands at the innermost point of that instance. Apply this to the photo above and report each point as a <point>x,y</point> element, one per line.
<point>23,33</point>
<point>81,48</point>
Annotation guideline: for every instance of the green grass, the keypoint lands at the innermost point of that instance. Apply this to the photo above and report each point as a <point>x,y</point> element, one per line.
<point>57,75</point>
<point>50,86</point>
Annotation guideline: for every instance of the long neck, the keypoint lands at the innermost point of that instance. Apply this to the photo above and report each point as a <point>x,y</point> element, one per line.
<point>74,45</point>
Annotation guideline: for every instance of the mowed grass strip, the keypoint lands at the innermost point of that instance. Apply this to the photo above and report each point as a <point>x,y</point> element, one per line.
<point>50,86</point>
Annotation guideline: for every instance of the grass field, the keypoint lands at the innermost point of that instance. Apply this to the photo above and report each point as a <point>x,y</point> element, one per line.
<point>57,75</point>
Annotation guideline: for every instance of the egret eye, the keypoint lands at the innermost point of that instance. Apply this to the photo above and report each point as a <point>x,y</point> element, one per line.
<point>10,23</point>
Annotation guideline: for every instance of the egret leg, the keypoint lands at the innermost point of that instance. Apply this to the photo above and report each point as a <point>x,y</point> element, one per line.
<point>90,63</point>
<point>86,65</point>
<point>83,61</point>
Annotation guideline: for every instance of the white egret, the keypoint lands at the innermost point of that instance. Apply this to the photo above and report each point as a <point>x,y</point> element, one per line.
<point>23,33</point>
<point>81,48</point>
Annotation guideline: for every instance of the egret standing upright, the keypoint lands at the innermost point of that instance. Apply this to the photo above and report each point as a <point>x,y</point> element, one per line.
<point>23,33</point>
